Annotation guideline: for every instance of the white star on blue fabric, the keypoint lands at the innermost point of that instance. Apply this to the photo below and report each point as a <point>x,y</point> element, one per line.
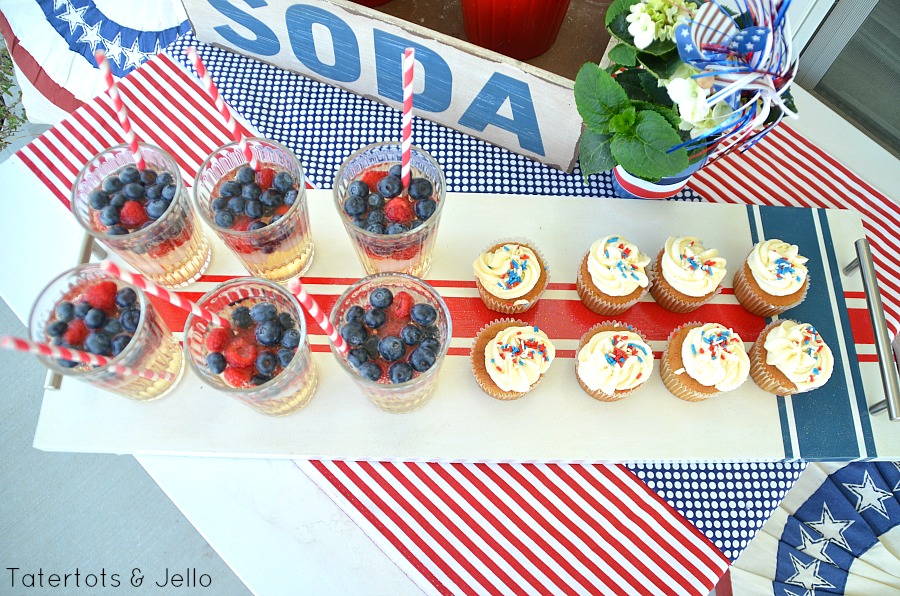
<point>807,576</point>
<point>57,4</point>
<point>831,529</point>
<point>896,486</point>
<point>869,496</point>
<point>114,48</point>
<point>814,548</point>
<point>133,56</point>
<point>90,34</point>
<point>74,17</point>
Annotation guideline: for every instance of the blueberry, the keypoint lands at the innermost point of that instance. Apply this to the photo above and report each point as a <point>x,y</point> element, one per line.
<point>371,346</point>
<point>354,314</point>
<point>82,309</point>
<point>400,372</point>
<point>219,203</point>
<point>354,206</point>
<point>432,344</point>
<point>376,217</point>
<point>98,342</point>
<point>397,228</point>
<point>240,316</point>
<point>168,191</point>
<point>65,311</point>
<point>266,363</point>
<point>148,177</point>
<point>390,186</point>
<point>283,181</point>
<point>245,175</point>
<point>375,228</point>
<point>134,191</point>
<point>423,314</point>
<point>129,175</point>
<point>396,170</point>
<point>369,370</point>
<point>264,311</point>
<point>95,318</point>
<point>358,188</point>
<point>164,179</point>
<point>360,222</point>
<point>230,189</point>
<point>289,197</point>
<point>98,199</point>
<point>224,218</point>
<point>284,357</point>
<point>290,339</point>
<point>381,298</point>
<point>112,327</point>
<point>57,328</point>
<point>119,342</point>
<point>153,192</point>
<point>268,333</point>
<point>256,225</point>
<point>425,208</point>
<point>251,191</point>
<point>157,208</point>
<point>375,318</point>
<point>411,335</point>
<point>126,297</point>
<point>237,204</point>
<point>357,356</point>
<point>117,200</point>
<point>422,359</point>
<point>375,201</point>
<point>215,362</point>
<point>109,216</point>
<point>130,318</point>
<point>118,231</point>
<point>354,333</point>
<point>67,363</point>
<point>271,198</point>
<point>112,184</point>
<point>260,379</point>
<point>431,331</point>
<point>415,224</point>
<point>391,348</point>
<point>253,209</point>
<point>286,320</point>
<point>420,189</point>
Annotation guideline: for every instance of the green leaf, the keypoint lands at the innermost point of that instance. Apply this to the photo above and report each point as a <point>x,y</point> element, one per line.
<point>594,153</point>
<point>615,9</point>
<point>623,121</point>
<point>662,67</point>
<point>642,152</point>
<point>618,28</point>
<point>623,54</point>
<point>598,97</point>
<point>650,84</point>
<point>670,115</point>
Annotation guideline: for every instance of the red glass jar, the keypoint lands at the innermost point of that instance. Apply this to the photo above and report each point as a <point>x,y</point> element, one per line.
<point>520,29</point>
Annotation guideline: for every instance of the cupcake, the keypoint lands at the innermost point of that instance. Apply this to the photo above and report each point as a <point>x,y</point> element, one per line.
<point>703,360</point>
<point>510,276</point>
<point>686,274</point>
<point>612,276</point>
<point>509,357</point>
<point>790,357</point>
<point>773,279</point>
<point>612,361</point>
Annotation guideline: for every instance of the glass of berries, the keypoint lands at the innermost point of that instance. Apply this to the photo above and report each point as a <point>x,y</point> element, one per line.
<point>263,358</point>
<point>398,329</point>
<point>86,309</point>
<point>392,228</point>
<point>261,214</point>
<point>144,216</point>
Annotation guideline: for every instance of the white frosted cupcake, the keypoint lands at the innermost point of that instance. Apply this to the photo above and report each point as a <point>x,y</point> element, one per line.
<point>789,358</point>
<point>702,360</point>
<point>510,357</point>
<point>686,274</point>
<point>612,276</point>
<point>613,360</point>
<point>773,279</point>
<point>510,276</point>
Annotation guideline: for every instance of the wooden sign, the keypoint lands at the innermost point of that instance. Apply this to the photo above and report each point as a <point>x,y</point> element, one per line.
<point>483,94</point>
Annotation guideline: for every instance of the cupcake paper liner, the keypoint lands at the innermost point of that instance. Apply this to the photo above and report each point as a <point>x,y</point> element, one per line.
<point>760,371</point>
<point>506,306</point>
<point>756,303</point>
<point>597,301</point>
<point>599,395</point>
<point>661,292</point>
<point>674,382</point>
<point>482,377</point>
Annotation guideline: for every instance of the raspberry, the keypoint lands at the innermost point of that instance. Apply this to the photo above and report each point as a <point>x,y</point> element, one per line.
<point>282,209</point>
<point>265,177</point>
<point>241,223</point>
<point>133,215</point>
<point>238,376</point>
<point>373,177</point>
<point>398,210</point>
<point>240,352</point>
<point>102,295</point>
<point>401,305</point>
<point>75,333</point>
<point>160,249</point>
<point>217,339</point>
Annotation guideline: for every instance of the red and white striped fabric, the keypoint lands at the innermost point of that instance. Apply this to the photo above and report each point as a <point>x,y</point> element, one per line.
<point>786,169</point>
<point>523,528</point>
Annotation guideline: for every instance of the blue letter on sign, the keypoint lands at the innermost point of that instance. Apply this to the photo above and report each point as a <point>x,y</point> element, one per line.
<point>523,124</point>
<point>266,42</point>
<point>300,19</point>
<point>435,96</point>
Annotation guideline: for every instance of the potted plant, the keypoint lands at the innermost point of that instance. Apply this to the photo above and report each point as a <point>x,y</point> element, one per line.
<point>680,83</point>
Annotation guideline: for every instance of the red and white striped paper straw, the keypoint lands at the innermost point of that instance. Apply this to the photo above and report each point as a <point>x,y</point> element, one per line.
<point>18,344</point>
<point>409,63</point>
<point>224,110</point>
<point>172,298</point>
<point>312,307</point>
<point>121,111</point>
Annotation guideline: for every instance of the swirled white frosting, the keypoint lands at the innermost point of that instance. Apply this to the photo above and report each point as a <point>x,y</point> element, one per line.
<point>517,356</point>
<point>616,266</point>
<point>714,356</point>
<point>690,267</point>
<point>509,272</point>
<point>614,361</point>
<point>797,350</point>
<point>777,267</point>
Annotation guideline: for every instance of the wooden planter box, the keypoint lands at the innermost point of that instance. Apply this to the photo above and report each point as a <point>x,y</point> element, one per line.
<point>528,108</point>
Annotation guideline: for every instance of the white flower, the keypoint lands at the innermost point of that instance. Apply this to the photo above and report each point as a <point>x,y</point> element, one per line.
<point>641,27</point>
<point>691,100</point>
